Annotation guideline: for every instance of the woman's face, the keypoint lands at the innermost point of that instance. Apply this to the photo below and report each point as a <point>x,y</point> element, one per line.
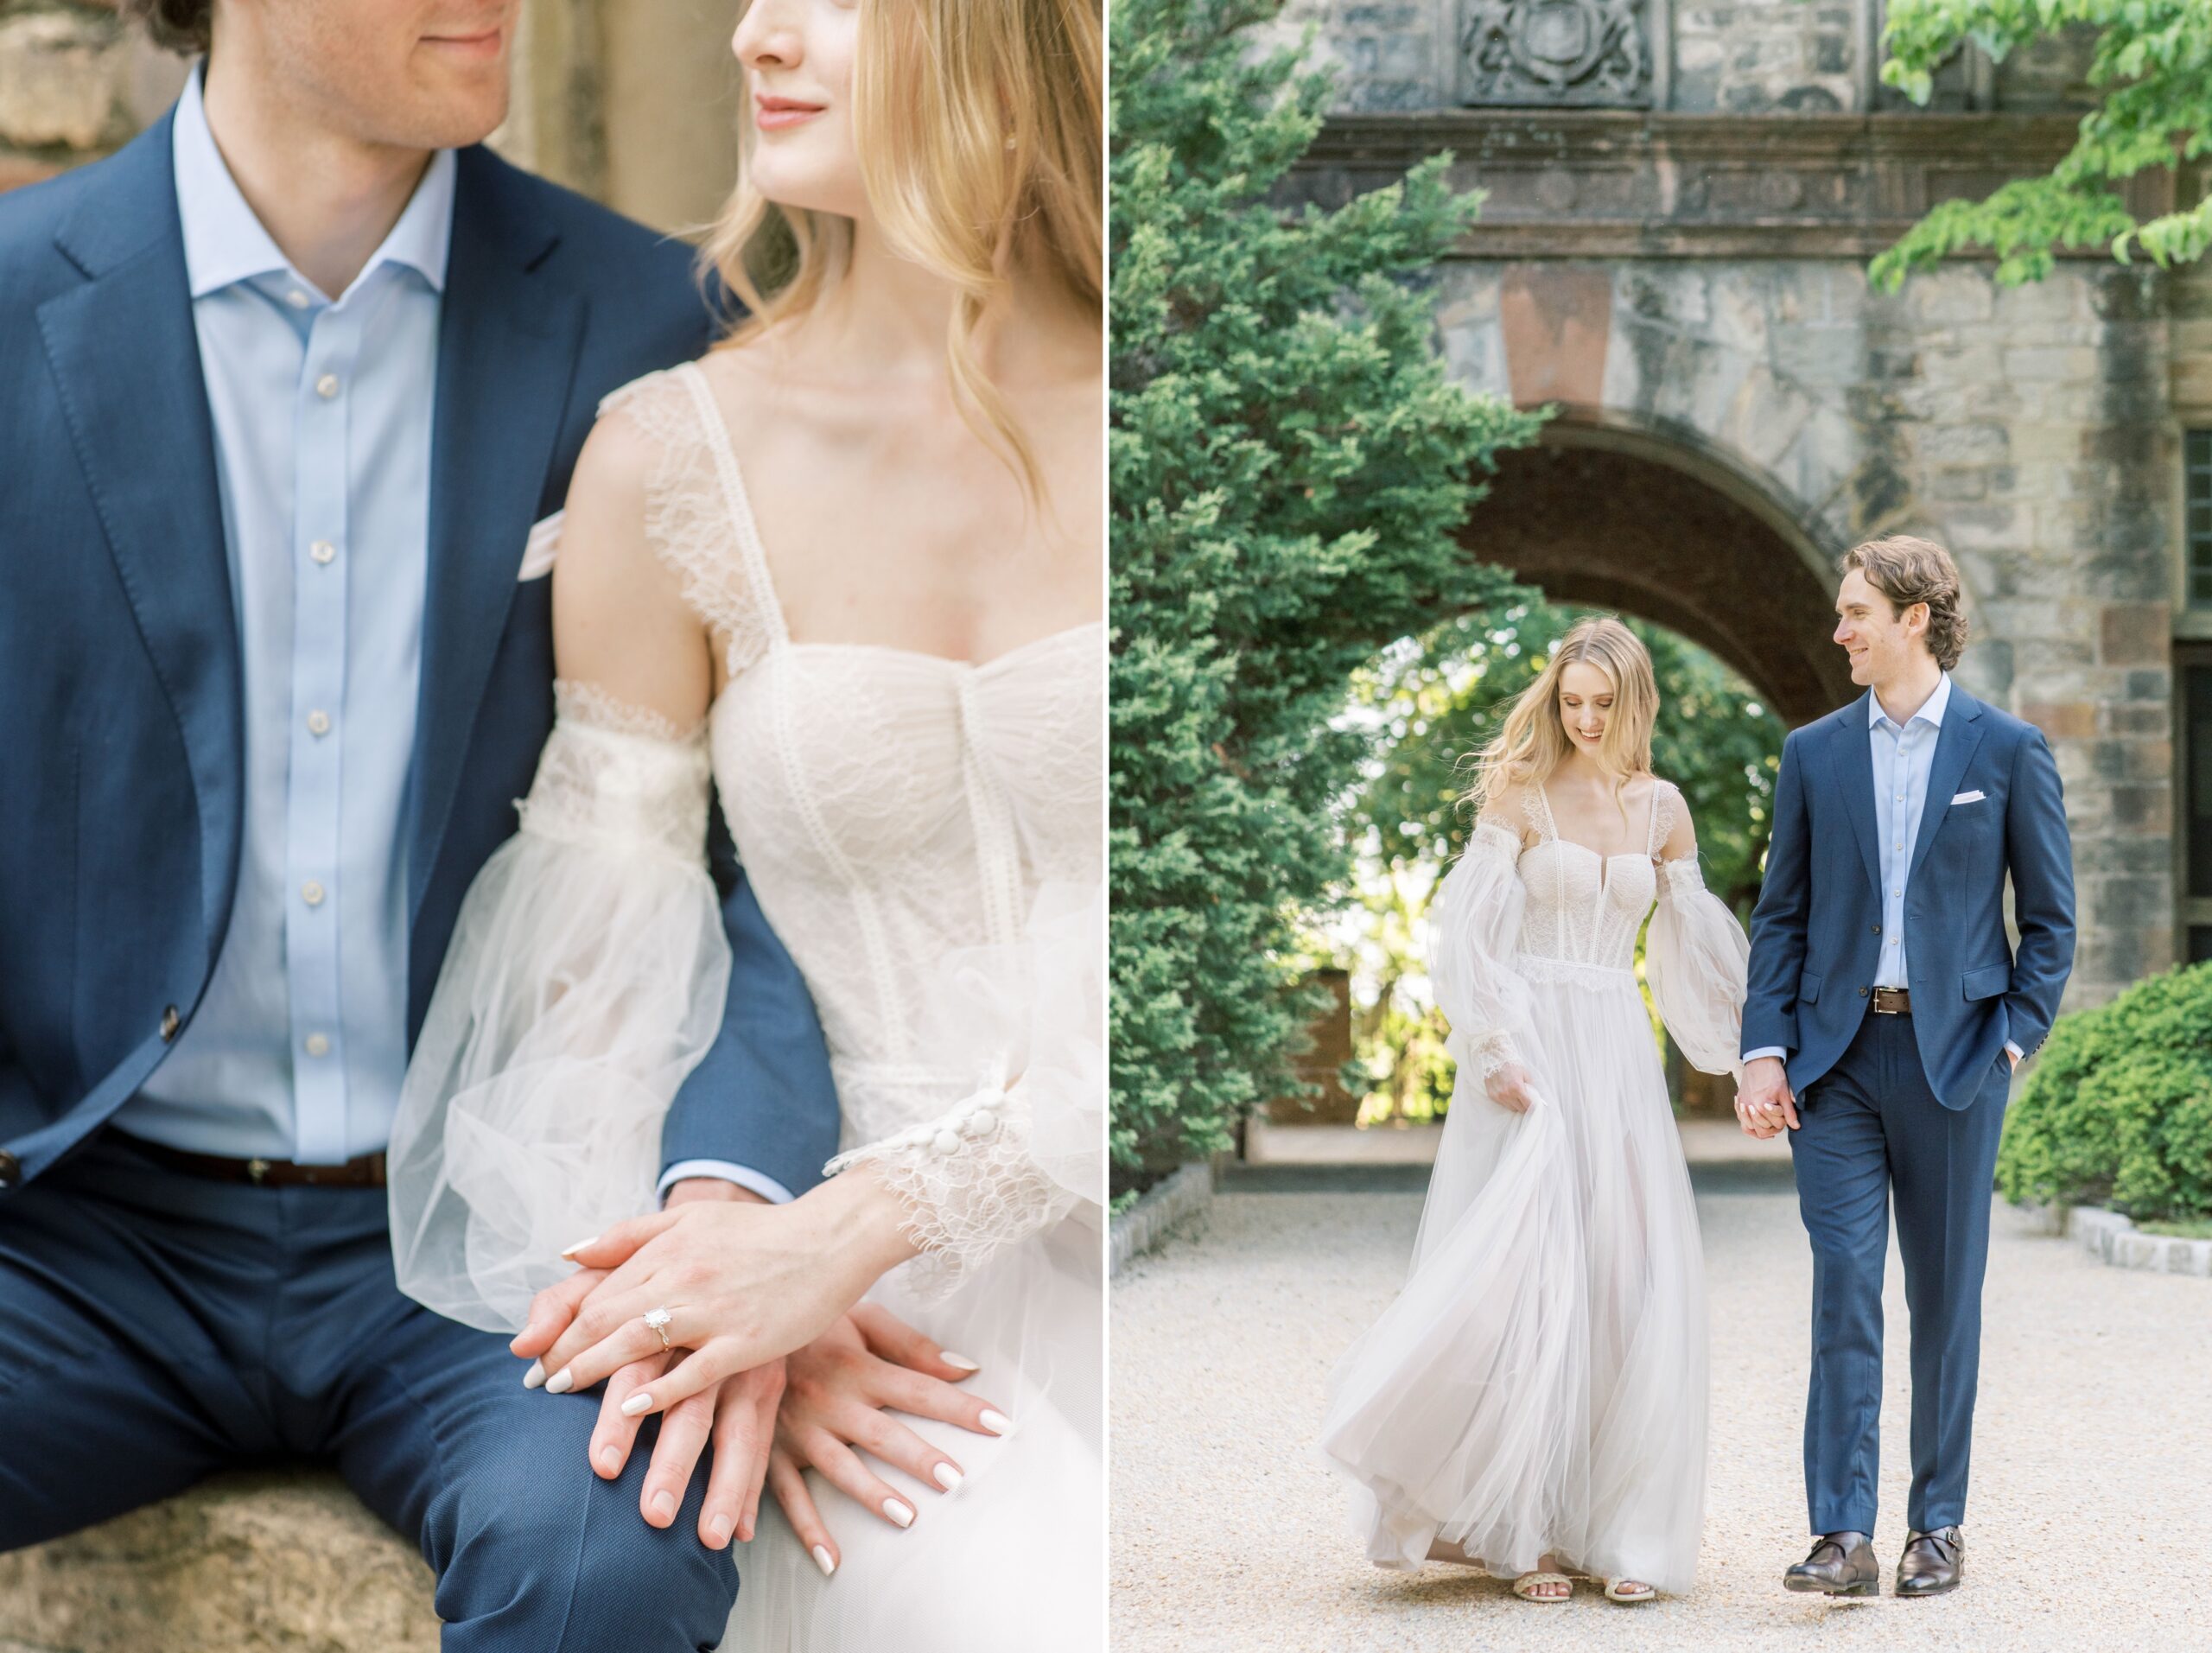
<point>798,57</point>
<point>1586,705</point>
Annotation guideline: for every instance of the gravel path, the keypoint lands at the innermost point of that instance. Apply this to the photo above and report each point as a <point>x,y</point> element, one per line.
<point>2090,1512</point>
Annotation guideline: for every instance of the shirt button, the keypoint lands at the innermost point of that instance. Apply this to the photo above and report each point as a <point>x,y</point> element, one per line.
<point>323,550</point>
<point>327,386</point>
<point>297,299</point>
<point>317,722</point>
<point>311,893</point>
<point>317,1045</point>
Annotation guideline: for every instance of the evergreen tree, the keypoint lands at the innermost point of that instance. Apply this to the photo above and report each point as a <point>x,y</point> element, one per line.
<point>1288,465</point>
<point>2153,69</point>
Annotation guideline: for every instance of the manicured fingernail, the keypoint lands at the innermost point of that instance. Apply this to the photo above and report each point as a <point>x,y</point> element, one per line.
<point>961,1361</point>
<point>535,1376</point>
<point>611,1456</point>
<point>947,1477</point>
<point>664,1505</point>
<point>822,1559</point>
<point>720,1526</point>
<point>570,1251</point>
<point>898,1512</point>
<point>560,1382</point>
<point>997,1422</point>
<point>639,1402</point>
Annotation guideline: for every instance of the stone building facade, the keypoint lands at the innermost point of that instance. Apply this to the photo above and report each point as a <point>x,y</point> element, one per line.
<point>1682,196</point>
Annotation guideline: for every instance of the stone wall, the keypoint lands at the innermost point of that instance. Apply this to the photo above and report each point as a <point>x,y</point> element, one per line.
<point>74,83</point>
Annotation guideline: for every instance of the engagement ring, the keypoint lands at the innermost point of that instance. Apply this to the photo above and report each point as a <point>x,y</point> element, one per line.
<point>658,1319</point>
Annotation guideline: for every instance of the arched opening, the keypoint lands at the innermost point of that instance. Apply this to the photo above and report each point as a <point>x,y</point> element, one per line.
<point>1655,525</point>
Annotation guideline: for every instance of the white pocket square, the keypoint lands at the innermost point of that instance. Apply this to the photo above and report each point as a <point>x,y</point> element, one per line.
<point>543,546</point>
<point>1956,797</point>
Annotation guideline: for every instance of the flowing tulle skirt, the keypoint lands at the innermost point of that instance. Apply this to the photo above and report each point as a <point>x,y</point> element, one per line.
<point>1539,1386</point>
<point>1013,1562</point>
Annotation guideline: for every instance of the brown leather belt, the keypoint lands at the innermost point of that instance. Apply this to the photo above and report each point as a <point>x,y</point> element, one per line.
<point>1892,1002</point>
<point>366,1171</point>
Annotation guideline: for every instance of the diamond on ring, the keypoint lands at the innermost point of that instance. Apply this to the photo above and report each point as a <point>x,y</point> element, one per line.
<point>658,1319</point>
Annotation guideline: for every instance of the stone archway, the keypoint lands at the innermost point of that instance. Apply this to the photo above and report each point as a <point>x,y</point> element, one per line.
<point>1607,514</point>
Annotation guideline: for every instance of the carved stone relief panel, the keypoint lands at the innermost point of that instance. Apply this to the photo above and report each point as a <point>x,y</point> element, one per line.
<point>1557,52</point>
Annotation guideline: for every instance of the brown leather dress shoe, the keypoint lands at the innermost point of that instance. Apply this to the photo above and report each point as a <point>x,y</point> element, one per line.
<point>1841,1564</point>
<point>1932,1562</point>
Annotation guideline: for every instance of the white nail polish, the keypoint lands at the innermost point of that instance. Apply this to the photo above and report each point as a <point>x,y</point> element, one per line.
<point>535,1376</point>
<point>961,1361</point>
<point>559,1384</point>
<point>947,1477</point>
<point>898,1512</point>
<point>822,1559</point>
<point>570,1251</point>
<point>639,1402</point>
<point>997,1422</point>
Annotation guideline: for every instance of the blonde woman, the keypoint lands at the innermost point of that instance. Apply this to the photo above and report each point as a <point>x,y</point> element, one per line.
<point>849,565</point>
<point>1534,1402</point>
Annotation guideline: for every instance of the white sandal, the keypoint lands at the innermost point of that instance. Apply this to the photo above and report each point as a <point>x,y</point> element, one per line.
<point>1628,1592</point>
<point>1525,1587</point>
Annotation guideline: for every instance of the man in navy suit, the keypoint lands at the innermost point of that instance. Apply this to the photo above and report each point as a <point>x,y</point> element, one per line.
<point>283,387</point>
<point>1885,1015</point>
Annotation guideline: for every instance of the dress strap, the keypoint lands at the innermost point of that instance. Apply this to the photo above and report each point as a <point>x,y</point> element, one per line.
<point>1538,808</point>
<point>698,520</point>
<point>1663,801</point>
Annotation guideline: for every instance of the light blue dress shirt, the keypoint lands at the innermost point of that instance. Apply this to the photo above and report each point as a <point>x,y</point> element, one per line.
<point>1903,757</point>
<point>321,412</point>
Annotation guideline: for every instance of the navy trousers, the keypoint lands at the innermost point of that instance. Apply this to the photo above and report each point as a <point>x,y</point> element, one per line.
<point>1869,1129</point>
<point>156,1327</point>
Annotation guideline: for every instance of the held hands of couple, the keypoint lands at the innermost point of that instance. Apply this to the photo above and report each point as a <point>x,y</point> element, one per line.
<point>746,1283</point>
<point>1764,1104</point>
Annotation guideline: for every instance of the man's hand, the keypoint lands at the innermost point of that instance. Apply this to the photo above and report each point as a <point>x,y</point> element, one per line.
<point>834,1407</point>
<point>1764,1102</point>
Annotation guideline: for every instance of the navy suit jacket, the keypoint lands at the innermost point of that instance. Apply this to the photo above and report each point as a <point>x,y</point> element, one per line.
<point>1816,936</point>
<point>121,731</point>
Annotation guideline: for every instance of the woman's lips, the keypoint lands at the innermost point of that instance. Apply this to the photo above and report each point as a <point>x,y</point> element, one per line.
<point>483,45</point>
<point>772,114</point>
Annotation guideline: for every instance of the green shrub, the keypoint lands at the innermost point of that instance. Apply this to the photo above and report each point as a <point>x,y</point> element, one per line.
<point>2118,1111</point>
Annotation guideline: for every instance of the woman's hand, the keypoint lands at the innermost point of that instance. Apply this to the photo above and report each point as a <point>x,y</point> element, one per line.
<point>1509,1087</point>
<point>743,1283</point>
<point>834,1407</point>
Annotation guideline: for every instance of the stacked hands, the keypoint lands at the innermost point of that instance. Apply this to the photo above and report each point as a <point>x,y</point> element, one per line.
<point>769,1355</point>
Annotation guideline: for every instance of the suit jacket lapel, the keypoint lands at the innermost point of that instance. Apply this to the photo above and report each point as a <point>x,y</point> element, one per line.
<point>1955,745</point>
<point>125,358</point>
<point>507,340</point>
<point>1854,770</point>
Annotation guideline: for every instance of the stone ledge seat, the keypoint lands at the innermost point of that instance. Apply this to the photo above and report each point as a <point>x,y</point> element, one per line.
<point>277,1561</point>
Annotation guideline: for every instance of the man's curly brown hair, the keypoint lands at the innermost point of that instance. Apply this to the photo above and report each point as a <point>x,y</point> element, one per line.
<point>1908,571</point>
<point>180,25</point>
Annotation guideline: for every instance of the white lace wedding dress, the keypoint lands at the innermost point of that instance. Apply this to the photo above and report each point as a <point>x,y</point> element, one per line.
<point>1539,1385</point>
<point>927,838</point>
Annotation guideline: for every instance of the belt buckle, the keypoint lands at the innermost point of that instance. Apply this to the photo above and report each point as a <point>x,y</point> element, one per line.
<point>256,1171</point>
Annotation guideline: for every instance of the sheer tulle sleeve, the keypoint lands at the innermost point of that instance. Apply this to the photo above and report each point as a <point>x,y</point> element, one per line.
<point>1028,1145</point>
<point>585,979</point>
<point>1474,926</point>
<point>1694,958</point>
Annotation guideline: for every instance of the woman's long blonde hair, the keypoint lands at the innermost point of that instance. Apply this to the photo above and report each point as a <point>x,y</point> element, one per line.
<point>980,128</point>
<point>1534,742</point>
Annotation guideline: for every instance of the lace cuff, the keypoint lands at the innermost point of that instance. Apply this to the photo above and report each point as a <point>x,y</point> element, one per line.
<point>1495,1050</point>
<point>970,1183</point>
